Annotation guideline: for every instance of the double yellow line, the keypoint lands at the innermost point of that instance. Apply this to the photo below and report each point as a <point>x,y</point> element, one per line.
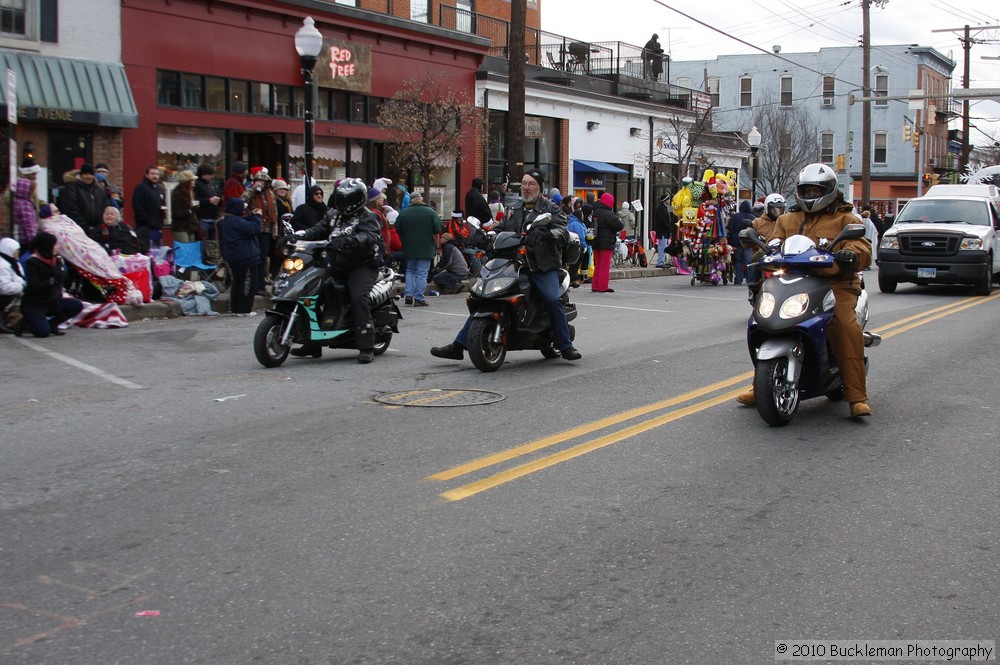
<point>629,431</point>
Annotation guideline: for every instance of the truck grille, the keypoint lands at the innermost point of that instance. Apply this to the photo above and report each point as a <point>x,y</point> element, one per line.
<point>928,244</point>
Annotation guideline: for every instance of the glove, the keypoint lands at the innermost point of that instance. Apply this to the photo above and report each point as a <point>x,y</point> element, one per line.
<point>846,259</point>
<point>284,241</point>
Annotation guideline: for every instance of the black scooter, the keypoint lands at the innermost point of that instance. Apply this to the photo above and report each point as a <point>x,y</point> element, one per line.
<point>505,316</point>
<point>308,306</point>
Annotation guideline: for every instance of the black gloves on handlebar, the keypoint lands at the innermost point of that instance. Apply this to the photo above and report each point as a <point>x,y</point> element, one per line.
<point>284,241</point>
<point>846,259</point>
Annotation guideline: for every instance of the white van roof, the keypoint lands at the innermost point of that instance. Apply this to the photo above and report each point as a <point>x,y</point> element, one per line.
<point>985,191</point>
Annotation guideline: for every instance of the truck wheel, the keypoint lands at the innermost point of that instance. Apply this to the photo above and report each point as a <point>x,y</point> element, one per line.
<point>984,287</point>
<point>886,285</point>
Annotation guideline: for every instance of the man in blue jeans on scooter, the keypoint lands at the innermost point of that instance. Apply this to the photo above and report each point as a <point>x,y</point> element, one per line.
<point>544,259</point>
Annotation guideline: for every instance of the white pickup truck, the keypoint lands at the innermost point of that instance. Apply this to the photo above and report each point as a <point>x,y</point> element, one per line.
<point>948,236</point>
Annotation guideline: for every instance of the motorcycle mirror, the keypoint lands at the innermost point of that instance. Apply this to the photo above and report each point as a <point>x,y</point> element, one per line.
<point>749,238</point>
<point>849,232</point>
<point>774,243</point>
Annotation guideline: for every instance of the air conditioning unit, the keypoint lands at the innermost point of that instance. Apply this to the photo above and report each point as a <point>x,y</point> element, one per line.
<point>828,101</point>
<point>932,161</point>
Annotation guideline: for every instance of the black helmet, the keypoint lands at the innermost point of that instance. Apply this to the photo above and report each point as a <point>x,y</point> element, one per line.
<point>822,177</point>
<point>350,196</point>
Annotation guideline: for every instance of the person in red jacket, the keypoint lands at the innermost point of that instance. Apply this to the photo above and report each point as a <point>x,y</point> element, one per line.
<point>233,188</point>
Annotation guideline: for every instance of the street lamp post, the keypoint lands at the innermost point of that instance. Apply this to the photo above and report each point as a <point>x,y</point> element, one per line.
<point>308,44</point>
<point>753,140</point>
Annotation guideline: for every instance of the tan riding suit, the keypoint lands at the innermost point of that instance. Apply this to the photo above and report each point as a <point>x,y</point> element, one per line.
<point>845,332</point>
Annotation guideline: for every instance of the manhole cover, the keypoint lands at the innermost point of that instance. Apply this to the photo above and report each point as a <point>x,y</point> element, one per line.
<point>439,397</point>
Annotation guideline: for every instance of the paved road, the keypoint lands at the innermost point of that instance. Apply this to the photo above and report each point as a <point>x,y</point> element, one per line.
<point>620,509</point>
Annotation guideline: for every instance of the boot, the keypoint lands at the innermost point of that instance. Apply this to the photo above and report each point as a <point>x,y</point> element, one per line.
<point>366,356</point>
<point>450,352</point>
<point>747,398</point>
<point>308,351</point>
<point>860,410</point>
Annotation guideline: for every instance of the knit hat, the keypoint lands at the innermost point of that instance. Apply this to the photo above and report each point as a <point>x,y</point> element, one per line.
<point>457,214</point>
<point>374,194</point>
<point>182,177</point>
<point>45,211</point>
<point>537,175</point>
<point>87,168</point>
<point>239,168</point>
<point>28,166</point>
<point>666,197</point>
<point>234,206</point>
<point>555,195</point>
<point>416,197</point>
<point>608,199</point>
<point>279,184</point>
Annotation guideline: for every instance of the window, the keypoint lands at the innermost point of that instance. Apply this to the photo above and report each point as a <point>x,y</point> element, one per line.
<point>215,93</point>
<point>746,92</point>
<point>786,146</point>
<point>464,15</point>
<point>879,148</point>
<point>684,82</point>
<point>14,18</point>
<point>713,90</point>
<point>282,100</point>
<point>322,105</point>
<point>419,11</point>
<point>829,87</point>
<point>239,93</point>
<point>191,91</point>
<point>881,89</point>
<point>359,109</point>
<point>349,3</point>
<point>339,105</point>
<point>786,91</point>
<point>261,98</point>
<point>826,147</point>
<point>168,91</point>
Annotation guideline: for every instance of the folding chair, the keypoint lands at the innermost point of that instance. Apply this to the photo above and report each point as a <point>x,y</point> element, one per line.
<point>187,261</point>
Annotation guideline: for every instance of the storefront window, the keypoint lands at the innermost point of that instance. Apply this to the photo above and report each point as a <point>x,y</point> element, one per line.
<point>359,109</point>
<point>180,148</point>
<point>358,164</point>
<point>239,94</point>
<point>339,107</point>
<point>215,93</point>
<point>329,160</point>
<point>282,100</point>
<point>191,92</point>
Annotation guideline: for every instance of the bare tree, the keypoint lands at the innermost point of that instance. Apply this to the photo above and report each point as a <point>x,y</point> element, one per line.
<point>681,138</point>
<point>789,141</point>
<point>427,121</point>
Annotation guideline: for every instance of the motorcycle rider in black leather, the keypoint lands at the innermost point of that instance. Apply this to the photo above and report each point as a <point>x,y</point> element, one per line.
<point>354,254</point>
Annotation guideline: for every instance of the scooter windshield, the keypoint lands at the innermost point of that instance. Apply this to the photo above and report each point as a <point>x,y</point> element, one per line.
<point>796,245</point>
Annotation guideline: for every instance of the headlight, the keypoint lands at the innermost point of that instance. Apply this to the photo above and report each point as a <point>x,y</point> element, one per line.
<point>889,242</point>
<point>971,243</point>
<point>495,285</point>
<point>477,287</point>
<point>292,265</point>
<point>794,306</point>
<point>766,305</point>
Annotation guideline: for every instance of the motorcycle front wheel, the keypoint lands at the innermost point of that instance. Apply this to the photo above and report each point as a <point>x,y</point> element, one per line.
<point>777,401</point>
<point>267,341</point>
<point>486,355</point>
<point>382,343</point>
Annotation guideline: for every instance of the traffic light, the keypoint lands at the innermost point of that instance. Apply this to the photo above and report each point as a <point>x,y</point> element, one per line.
<point>907,132</point>
<point>934,179</point>
<point>927,179</point>
<point>915,138</point>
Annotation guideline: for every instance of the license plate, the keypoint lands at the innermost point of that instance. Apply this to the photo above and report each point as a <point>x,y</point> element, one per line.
<point>926,273</point>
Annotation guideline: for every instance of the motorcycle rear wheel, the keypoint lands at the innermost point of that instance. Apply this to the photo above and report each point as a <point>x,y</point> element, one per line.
<point>382,344</point>
<point>550,351</point>
<point>267,341</point>
<point>776,400</point>
<point>484,353</point>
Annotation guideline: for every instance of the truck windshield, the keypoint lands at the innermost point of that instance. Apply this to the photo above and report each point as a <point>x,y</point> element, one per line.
<point>952,211</point>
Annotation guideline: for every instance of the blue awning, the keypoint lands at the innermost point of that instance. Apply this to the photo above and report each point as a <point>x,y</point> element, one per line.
<point>588,166</point>
<point>70,91</point>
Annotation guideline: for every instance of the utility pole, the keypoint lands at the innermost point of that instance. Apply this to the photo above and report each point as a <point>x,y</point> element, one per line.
<point>514,150</point>
<point>967,42</point>
<point>866,110</point>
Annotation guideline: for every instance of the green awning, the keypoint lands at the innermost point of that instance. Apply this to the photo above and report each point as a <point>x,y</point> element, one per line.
<point>69,91</point>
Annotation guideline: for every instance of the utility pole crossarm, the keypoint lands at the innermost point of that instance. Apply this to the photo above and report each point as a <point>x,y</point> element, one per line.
<point>957,93</point>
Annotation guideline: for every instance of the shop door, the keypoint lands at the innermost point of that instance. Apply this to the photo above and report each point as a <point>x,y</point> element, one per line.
<point>68,150</point>
<point>268,150</point>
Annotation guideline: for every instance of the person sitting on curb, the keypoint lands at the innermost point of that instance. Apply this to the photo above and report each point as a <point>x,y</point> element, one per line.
<point>453,269</point>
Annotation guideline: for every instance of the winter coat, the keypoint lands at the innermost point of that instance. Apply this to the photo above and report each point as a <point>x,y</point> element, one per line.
<point>118,236</point>
<point>12,278</point>
<point>417,226</point>
<point>664,221</point>
<point>203,191</point>
<point>577,227</point>
<point>44,286</point>
<point>238,240</point>
<point>476,206</point>
<point>628,219</point>
<point>84,204</point>
<point>308,215</point>
<point>182,217</point>
<point>344,253</point>
<point>741,220</point>
<point>827,223</point>
<point>453,261</point>
<point>608,227</point>
<point>547,255</point>
<point>148,198</point>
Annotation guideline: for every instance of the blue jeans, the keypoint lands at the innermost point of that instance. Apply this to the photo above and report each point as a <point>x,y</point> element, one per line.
<point>741,257</point>
<point>661,249</point>
<point>208,228</point>
<point>546,286</point>
<point>416,278</point>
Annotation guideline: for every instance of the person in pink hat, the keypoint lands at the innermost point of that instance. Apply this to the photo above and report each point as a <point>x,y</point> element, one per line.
<point>608,225</point>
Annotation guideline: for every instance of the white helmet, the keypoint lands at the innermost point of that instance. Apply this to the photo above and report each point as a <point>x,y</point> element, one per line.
<point>776,201</point>
<point>816,175</point>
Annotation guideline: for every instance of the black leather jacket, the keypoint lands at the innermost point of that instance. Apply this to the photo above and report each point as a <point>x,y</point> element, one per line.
<point>345,255</point>
<point>544,256</point>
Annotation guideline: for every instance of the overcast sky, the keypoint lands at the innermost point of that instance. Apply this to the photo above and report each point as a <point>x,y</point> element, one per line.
<point>797,26</point>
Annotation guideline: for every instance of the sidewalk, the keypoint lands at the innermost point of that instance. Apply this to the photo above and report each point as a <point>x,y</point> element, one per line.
<point>162,309</point>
